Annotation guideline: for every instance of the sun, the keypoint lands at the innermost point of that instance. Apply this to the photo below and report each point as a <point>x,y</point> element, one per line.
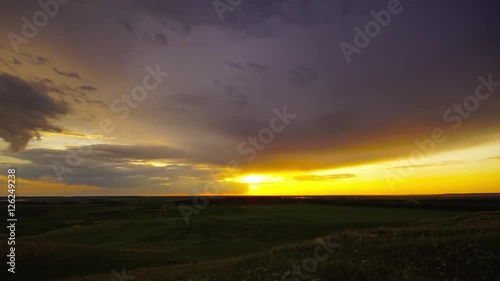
<point>258,179</point>
<point>252,179</point>
<point>256,183</point>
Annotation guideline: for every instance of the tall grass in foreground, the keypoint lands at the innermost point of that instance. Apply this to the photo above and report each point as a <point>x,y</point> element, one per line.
<point>466,248</point>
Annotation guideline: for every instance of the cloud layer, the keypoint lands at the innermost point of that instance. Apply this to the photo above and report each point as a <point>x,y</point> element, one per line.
<point>26,111</point>
<point>226,78</point>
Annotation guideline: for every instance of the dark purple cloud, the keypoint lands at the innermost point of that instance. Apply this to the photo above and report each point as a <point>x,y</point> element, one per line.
<point>26,112</point>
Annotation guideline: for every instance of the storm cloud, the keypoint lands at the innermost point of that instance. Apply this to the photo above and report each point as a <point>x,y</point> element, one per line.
<point>26,112</point>
<point>228,75</point>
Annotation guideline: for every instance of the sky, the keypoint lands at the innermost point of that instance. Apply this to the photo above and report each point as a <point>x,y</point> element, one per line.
<point>250,97</point>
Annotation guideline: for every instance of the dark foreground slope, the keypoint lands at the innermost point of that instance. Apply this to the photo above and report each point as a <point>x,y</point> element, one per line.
<point>465,248</point>
<point>257,239</point>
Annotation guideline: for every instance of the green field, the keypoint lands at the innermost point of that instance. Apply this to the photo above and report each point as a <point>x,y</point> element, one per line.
<point>258,242</point>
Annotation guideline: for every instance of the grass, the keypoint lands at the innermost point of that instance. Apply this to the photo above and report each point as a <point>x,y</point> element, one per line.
<point>466,248</point>
<point>258,242</point>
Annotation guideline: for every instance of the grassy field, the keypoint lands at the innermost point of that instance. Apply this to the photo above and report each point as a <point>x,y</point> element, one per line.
<point>253,242</point>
